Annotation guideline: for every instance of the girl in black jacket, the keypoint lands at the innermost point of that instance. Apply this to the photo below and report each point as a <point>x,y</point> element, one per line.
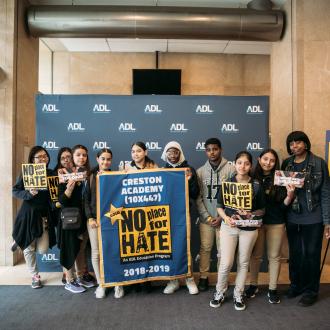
<point>273,228</point>
<point>34,225</point>
<point>72,243</point>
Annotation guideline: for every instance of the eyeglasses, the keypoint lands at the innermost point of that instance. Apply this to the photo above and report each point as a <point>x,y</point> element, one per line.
<point>173,152</point>
<point>66,158</point>
<point>41,157</point>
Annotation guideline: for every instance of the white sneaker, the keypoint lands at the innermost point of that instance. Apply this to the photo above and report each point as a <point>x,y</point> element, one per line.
<point>171,287</point>
<point>119,292</point>
<point>100,292</point>
<point>191,285</point>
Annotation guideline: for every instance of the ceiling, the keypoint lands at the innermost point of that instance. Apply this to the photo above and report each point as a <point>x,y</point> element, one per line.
<point>152,45</point>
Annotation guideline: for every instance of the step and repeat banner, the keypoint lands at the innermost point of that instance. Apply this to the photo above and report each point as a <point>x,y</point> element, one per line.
<point>116,122</point>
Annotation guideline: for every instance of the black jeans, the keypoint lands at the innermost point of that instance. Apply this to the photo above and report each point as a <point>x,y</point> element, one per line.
<point>305,245</point>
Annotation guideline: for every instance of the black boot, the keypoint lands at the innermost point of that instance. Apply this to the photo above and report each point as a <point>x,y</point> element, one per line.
<point>203,284</point>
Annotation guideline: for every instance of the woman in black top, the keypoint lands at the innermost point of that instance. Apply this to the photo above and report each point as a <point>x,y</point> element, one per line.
<point>273,228</point>
<point>308,216</point>
<point>34,224</point>
<point>72,243</point>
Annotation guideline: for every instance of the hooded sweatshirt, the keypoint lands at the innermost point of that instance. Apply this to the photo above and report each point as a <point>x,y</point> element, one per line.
<point>209,183</point>
<point>182,163</point>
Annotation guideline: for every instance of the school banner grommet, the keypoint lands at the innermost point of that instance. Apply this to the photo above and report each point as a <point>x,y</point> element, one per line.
<point>144,231</point>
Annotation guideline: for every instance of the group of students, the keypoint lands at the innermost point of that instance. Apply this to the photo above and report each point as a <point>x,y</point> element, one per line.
<point>302,213</point>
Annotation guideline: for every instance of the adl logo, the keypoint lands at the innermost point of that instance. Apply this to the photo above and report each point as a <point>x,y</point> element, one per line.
<point>200,146</point>
<point>75,127</point>
<point>254,146</point>
<point>152,108</point>
<point>178,127</point>
<point>126,127</point>
<point>204,109</point>
<point>101,108</point>
<point>50,145</point>
<point>229,128</point>
<point>47,257</point>
<point>254,110</point>
<point>153,146</point>
<point>100,145</point>
<point>50,108</point>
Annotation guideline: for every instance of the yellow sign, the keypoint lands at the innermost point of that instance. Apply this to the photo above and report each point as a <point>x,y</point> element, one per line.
<point>34,176</point>
<point>53,187</point>
<point>142,231</point>
<point>237,195</point>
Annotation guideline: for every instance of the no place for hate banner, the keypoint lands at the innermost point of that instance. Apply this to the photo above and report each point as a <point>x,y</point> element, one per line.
<point>144,228</point>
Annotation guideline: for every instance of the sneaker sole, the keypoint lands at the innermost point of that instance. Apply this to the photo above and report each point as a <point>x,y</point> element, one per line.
<point>72,291</point>
<point>88,286</point>
<point>274,302</point>
<point>36,287</point>
<point>170,292</point>
<point>240,308</point>
<point>215,306</point>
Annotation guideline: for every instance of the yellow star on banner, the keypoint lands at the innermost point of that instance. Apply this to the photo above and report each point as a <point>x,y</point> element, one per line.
<point>114,214</point>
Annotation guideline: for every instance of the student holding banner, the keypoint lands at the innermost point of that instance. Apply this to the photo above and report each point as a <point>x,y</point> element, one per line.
<point>174,158</point>
<point>308,216</point>
<point>241,198</point>
<point>273,228</point>
<point>73,242</point>
<point>210,175</point>
<point>34,226</point>
<point>140,159</point>
<point>104,159</point>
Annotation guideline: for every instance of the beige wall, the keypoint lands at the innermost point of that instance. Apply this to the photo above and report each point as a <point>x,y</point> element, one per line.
<point>202,74</point>
<point>7,94</point>
<point>300,75</point>
<point>18,85</point>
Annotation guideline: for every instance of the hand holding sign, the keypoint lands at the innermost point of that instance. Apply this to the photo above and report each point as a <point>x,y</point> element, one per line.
<point>33,192</point>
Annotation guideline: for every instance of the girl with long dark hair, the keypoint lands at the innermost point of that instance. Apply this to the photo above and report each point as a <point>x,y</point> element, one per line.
<point>104,159</point>
<point>232,235</point>
<point>34,225</point>
<point>73,242</point>
<point>273,228</point>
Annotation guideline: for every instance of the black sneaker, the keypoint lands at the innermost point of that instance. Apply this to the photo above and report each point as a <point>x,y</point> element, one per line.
<point>251,291</point>
<point>307,300</point>
<point>217,300</point>
<point>203,284</point>
<point>87,280</point>
<point>239,304</point>
<point>273,297</point>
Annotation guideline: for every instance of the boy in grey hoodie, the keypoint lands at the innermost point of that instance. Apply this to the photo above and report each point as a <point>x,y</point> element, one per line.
<point>210,176</point>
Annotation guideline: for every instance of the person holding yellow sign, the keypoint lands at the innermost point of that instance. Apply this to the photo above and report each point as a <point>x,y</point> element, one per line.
<point>34,226</point>
<point>241,203</point>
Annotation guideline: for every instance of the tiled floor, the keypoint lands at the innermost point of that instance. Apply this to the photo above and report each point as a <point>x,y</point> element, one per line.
<point>18,275</point>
